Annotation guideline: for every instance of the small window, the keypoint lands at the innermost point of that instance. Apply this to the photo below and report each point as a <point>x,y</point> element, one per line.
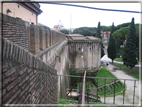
<point>90,49</point>
<point>79,49</point>
<point>18,6</point>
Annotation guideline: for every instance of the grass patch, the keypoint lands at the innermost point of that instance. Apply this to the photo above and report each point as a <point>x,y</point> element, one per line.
<point>105,43</point>
<point>135,70</point>
<point>118,59</point>
<point>106,74</point>
<point>121,60</point>
<point>65,101</point>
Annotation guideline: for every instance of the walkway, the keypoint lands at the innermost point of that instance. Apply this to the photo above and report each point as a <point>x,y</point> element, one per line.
<point>130,86</point>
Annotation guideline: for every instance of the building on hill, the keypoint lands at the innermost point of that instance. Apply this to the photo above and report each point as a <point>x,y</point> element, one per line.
<point>26,11</point>
<point>106,36</point>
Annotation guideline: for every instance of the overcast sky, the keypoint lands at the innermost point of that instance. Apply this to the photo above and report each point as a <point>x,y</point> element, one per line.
<point>74,17</point>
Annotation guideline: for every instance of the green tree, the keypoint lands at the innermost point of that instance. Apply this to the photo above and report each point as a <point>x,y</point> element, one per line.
<point>86,31</point>
<point>121,34</point>
<point>65,31</point>
<point>122,25</point>
<point>112,53</point>
<point>98,34</point>
<point>102,50</point>
<point>129,56</point>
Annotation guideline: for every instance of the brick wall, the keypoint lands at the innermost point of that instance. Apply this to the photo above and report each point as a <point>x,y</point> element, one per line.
<point>16,30</point>
<point>31,37</point>
<point>25,78</point>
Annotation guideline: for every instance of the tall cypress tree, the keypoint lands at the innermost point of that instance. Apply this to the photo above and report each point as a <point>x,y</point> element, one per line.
<point>98,35</point>
<point>112,53</point>
<point>129,56</point>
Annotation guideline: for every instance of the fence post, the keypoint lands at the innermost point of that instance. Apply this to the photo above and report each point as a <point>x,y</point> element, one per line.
<point>83,90</point>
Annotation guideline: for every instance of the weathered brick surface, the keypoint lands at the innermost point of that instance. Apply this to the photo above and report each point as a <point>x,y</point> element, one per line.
<point>34,39</point>
<point>16,30</point>
<point>25,83</point>
<point>42,38</point>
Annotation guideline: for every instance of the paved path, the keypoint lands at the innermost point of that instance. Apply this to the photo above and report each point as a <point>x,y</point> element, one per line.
<point>128,100</point>
<point>130,88</point>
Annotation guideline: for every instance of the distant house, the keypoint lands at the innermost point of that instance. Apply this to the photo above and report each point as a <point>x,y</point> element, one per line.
<point>26,11</point>
<point>105,36</point>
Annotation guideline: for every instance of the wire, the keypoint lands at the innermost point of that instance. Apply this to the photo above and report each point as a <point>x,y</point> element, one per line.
<point>97,8</point>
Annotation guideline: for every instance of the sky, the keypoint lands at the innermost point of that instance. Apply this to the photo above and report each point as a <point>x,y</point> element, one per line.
<point>75,17</point>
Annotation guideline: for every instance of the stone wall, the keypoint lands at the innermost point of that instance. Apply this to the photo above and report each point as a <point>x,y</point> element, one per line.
<point>25,78</point>
<point>16,30</point>
<point>31,37</point>
<point>84,54</point>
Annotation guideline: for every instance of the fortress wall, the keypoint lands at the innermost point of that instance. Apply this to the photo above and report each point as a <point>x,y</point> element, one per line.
<point>87,54</point>
<point>29,52</point>
<point>16,30</point>
<point>25,78</point>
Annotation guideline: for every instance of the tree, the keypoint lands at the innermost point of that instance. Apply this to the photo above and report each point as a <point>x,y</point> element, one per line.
<point>129,56</point>
<point>65,31</point>
<point>112,53</point>
<point>98,34</point>
<point>102,50</point>
<point>86,31</point>
<point>121,34</point>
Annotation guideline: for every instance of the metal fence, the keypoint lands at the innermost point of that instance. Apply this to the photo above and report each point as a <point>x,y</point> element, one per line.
<point>91,90</point>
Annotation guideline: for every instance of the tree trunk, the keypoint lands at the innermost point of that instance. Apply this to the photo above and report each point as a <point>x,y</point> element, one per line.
<point>131,69</point>
<point>112,61</point>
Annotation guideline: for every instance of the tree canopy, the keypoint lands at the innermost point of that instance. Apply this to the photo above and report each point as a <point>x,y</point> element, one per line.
<point>112,53</point>
<point>65,31</point>
<point>129,56</point>
<point>86,31</point>
<point>121,34</point>
<point>122,25</point>
<point>98,33</point>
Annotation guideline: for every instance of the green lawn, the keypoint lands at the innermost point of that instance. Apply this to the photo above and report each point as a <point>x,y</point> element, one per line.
<point>120,59</point>
<point>106,74</point>
<point>135,70</point>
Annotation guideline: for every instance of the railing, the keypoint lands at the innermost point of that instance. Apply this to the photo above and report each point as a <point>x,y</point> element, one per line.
<point>83,91</point>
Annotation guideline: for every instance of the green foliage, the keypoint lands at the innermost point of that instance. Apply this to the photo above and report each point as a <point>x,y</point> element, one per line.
<point>118,59</point>
<point>65,101</point>
<point>118,43</point>
<point>122,25</point>
<point>98,33</point>
<point>86,31</point>
<point>129,56</point>
<point>121,34</point>
<point>102,50</point>
<point>106,74</point>
<point>106,28</point>
<point>112,52</point>
<point>65,31</point>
